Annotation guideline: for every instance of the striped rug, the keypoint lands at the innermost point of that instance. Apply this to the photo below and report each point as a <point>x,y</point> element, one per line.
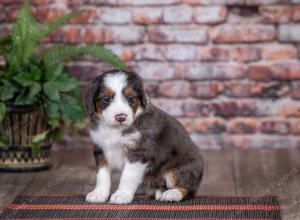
<point>52,206</point>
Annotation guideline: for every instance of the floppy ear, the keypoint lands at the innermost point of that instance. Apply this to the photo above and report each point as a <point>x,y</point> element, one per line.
<point>143,97</point>
<point>89,100</point>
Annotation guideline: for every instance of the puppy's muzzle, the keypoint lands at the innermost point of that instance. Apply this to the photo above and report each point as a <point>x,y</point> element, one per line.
<point>121,117</point>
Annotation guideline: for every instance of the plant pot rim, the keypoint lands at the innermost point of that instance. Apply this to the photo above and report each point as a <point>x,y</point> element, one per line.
<point>10,107</point>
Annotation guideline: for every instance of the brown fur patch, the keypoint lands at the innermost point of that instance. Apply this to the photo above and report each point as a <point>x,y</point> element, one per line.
<point>128,91</point>
<point>183,191</point>
<point>107,92</point>
<point>102,163</point>
<point>170,178</point>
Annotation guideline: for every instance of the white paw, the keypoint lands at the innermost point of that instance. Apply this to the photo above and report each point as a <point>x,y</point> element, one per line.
<point>96,196</point>
<point>158,194</point>
<point>171,195</point>
<point>121,197</point>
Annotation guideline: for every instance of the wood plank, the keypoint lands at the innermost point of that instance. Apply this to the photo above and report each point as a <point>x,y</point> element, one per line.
<point>250,178</point>
<point>12,184</point>
<point>218,175</point>
<point>72,172</point>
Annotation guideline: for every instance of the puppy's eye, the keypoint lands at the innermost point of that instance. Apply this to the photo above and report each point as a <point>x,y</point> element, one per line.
<point>131,99</point>
<point>106,100</point>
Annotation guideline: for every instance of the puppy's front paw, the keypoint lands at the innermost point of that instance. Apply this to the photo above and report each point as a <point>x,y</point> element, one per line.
<point>96,196</point>
<point>121,197</point>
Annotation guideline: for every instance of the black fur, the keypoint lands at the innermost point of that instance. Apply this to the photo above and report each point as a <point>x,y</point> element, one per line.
<point>165,145</point>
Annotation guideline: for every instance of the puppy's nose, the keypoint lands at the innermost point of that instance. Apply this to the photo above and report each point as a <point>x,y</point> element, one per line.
<point>120,117</point>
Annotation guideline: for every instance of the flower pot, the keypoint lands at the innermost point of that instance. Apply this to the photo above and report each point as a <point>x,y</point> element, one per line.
<point>19,126</point>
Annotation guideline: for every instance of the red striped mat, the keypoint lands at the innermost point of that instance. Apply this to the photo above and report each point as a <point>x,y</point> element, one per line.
<point>242,207</point>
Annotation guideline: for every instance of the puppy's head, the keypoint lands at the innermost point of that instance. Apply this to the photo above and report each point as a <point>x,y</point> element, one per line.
<point>116,98</point>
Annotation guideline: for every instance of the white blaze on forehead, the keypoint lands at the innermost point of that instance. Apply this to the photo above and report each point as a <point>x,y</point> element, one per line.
<point>116,82</point>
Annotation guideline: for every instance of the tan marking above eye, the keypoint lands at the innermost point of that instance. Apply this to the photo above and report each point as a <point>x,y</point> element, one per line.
<point>108,92</point>
<point>128,91</point>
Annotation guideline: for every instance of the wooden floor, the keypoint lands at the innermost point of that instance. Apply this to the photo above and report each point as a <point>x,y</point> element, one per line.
<point>230,171</point>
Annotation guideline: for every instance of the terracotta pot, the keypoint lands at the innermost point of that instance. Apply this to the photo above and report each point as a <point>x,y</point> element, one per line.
<point>19,125</point>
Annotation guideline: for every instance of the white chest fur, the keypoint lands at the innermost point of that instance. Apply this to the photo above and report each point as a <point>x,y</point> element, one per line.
<point>114,144</point>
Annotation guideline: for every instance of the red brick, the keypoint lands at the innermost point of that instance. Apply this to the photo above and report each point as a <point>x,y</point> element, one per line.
<point>115,16</point>
<point>180,52</point>
<point>193,108</point>
<point>207,89</point>
<point>213,71</point>
<point>234,108</point>
<point>210,125</point>
<point>213,53</point>
<point>210,141</point>
<point>149,52</point>
<point>289,109</point>
<point>171,106</point>
<point>177,88</point>
<point>114,34</point>
<point>242,126</point>
<point>243,33</point>
<point>265,2</point>
<point>245,53</point>
<point>177,14</point>
<point>184,34</point>
<point>147,15</point>
<point>260,72</point>
<point>295,126</point>
<point>275,126</point>
<point>151,89</point>
<point>275,14</point>
<point>296,90</point>
<point>238,89</point>
<point>71,34</point>
<point>125,53</point>
<point>148,2</point>
<point>289,33</point>
<point>296,13</point>
<point>210,15</point>
<point>262,141</point>
<point>279,52</point>
<point>47,14</point>
<point>286,71</point>
<point>155,70</point>
<point>88,16</point>
<point>187,123</point>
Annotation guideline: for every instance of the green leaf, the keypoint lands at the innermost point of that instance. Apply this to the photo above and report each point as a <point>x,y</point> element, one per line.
<point>24,36</point>
<point>52,110</point>
<point>54,71</point>
<point>68,52</point>
<point>2,110</point>
<point>7,90</point>
<point>51,91</point>
<point>35,149</point>
<point>2,141</point>
<point>24,99</point>
<point>66,83</point>
<point>39,137</point>
<point>24,79</point>
<point>71,108</point>
<point>34,89</point>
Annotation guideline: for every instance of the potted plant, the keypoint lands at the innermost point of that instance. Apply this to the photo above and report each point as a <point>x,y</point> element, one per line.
<point>37,95</point>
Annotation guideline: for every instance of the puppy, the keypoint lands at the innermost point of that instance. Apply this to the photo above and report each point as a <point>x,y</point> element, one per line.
<point>141,141</point>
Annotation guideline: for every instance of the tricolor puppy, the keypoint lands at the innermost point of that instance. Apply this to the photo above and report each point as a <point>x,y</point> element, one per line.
<point>141,141</point>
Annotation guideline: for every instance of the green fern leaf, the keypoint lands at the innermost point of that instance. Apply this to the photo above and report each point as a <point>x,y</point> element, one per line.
<point>65,53</point>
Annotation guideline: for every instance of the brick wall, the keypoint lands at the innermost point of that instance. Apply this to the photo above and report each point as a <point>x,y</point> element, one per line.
<point>228,69</point>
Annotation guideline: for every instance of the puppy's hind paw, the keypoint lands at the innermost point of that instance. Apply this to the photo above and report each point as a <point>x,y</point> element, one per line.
<point>120,197</point>
<point>171,195</point>
<point>96,196</point>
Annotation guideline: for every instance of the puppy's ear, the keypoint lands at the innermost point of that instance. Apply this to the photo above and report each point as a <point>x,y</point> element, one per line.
<point>89,100</point>
<point>143,98</point>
